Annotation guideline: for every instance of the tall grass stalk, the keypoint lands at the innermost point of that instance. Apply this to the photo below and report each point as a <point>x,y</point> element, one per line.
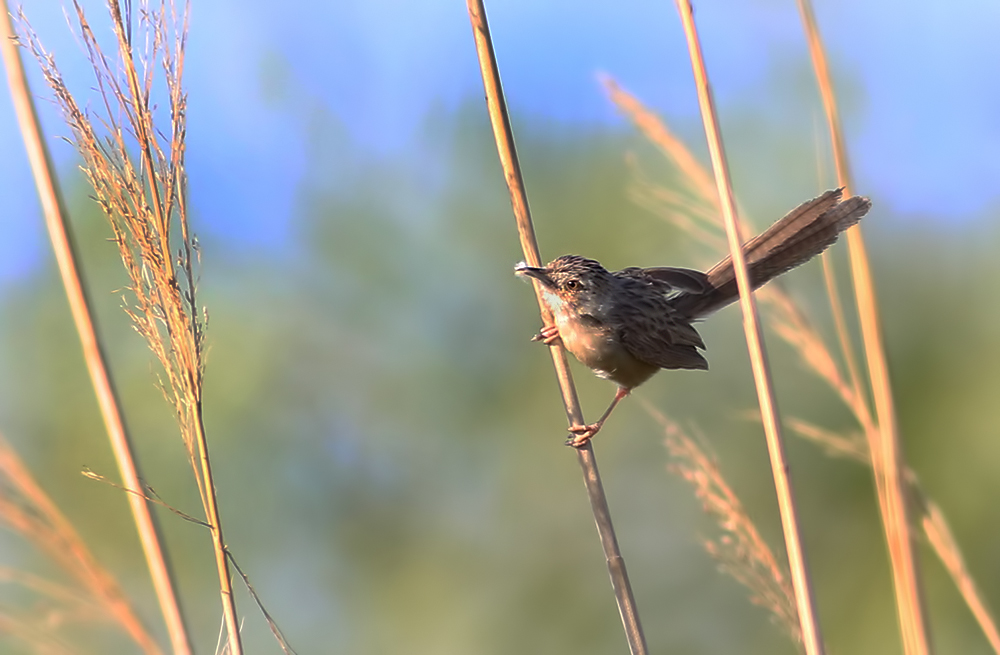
<point>55,221</point>
<point>139,180</point>
<point>886,450</point>
<point>500,120</point>
<point>808,621</point>
<point>900,495</point>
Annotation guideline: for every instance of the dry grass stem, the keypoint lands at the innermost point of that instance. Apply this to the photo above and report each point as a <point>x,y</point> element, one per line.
<point>857,394</point>
<point>139,180</point>
<point>95,596</point>
<point>500,120</point>
<point>941,539</point>
<point>279,636</point>
<point>54,213</point>
<point>886,450</point>
<point>149,494</point>
<point>851,446</point>
<point>811,637</point>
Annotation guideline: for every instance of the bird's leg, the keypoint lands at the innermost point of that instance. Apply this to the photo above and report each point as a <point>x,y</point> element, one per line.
<point>584,433</point>
<point>549,335</point>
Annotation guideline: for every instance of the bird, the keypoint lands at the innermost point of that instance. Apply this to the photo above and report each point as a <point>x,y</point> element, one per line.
<point>627,325</point>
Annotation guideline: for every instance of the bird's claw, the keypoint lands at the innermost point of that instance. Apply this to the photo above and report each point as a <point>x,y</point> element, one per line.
<point>582,434</point>
<point>549,335</point>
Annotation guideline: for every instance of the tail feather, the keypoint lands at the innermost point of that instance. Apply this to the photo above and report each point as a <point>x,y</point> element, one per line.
<point>805,232</point>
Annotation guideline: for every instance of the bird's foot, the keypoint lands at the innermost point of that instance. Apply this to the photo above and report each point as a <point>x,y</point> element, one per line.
<point>582,434</point>
<point>549,335</point>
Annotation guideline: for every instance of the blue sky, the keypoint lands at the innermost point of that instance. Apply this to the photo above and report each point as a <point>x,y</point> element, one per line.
<point>923,129</point>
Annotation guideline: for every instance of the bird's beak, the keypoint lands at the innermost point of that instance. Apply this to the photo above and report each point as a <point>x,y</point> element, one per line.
<point>539,274</point>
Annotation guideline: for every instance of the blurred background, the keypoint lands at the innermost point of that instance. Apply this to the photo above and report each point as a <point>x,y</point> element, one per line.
<point>387,442</point>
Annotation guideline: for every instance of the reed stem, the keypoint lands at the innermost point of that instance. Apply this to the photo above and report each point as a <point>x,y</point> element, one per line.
<point>811,638</point>
<point>500,120</point>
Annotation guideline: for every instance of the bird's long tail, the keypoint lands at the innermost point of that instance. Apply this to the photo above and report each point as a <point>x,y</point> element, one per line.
<point>805,232</point>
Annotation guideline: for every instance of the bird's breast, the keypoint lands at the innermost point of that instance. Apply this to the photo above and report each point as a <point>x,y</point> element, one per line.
<point>597,345</point>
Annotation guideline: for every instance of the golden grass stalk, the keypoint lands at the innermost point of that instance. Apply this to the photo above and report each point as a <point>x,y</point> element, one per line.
<point>808,621</point>
<point>843,337</point>
<point>886,451</point>
<point>139,180</point>
<point>497,107</point>
<point>27,510</point>
<point>53,210</point>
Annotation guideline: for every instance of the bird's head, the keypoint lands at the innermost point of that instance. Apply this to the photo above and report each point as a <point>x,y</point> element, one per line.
<point>572,281</point>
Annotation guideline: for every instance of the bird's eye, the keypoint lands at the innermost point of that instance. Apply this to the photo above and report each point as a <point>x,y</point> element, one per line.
<point>573,285</point>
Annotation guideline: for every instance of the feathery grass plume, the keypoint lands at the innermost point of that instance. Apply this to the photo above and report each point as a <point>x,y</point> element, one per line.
<point>138,176</point>
<point>850,446</point>
<point>143,199</point>
<point>94,596</point>
<point>790,322</point>
<point>739,549</point>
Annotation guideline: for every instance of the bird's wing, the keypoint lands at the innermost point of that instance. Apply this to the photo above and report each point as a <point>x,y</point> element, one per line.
<point>678,279</point>
<point>651,330</point>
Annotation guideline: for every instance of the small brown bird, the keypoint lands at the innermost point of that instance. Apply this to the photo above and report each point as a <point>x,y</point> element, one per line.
<point>629,324</point>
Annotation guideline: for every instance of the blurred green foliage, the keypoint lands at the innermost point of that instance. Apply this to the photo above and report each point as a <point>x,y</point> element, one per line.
<point>388,443</point>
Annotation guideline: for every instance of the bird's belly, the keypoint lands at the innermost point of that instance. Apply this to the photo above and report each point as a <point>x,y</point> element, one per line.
<point>598,348</point>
